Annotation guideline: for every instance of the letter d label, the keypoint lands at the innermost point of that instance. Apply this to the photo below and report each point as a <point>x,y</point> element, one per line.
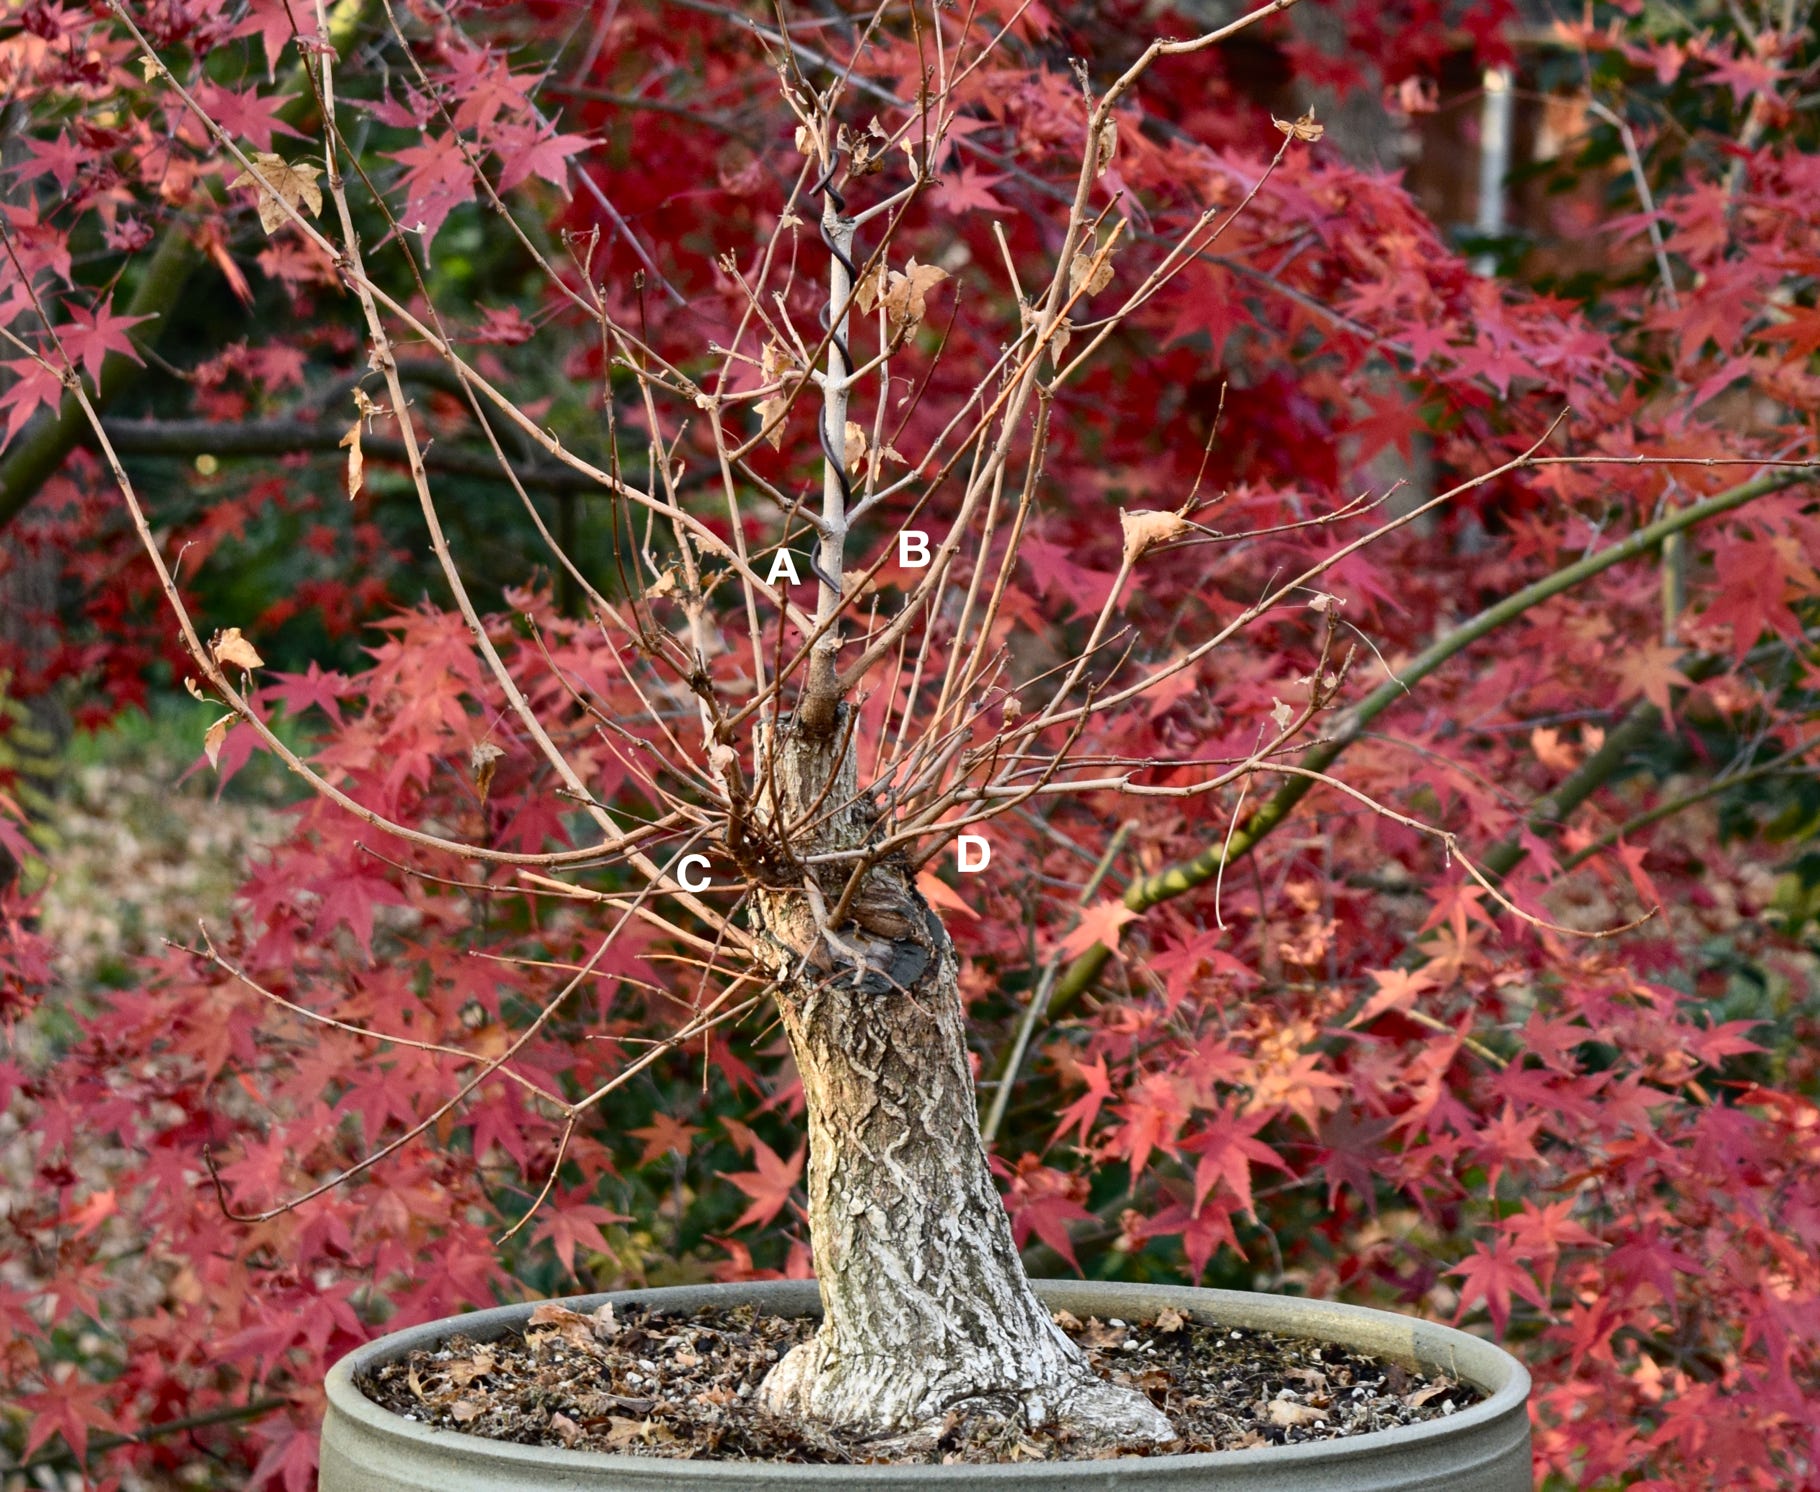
<point>913,554</point>
<point>972,853</point>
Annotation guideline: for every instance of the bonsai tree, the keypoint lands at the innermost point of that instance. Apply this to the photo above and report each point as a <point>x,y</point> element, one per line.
<point>926,1302</point>
<point>808,660</point>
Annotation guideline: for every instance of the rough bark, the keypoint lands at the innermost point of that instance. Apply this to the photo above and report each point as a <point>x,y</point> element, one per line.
<point>926,1306</point>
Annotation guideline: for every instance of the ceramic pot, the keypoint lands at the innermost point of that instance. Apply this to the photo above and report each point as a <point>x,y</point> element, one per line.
<point>1484,1448</point>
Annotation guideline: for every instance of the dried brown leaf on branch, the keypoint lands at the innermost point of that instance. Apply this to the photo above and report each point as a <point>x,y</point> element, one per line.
<point>777,365</point>
<point>213,738</point>
<point>771,418</point>
<point>1105,145</point>
<point>356,462</point>
<point>869,289</point>
<point>776,361</point>
<point>1092,266</point>
<point>905,297</point>
<point>281,183</point>
<point>483,762</point>
<point>1304,129</point>
<point>1145,529</point>
<point>231,649</point>
<point>367,411</point>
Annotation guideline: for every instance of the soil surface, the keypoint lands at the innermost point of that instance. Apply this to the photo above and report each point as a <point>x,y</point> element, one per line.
<point>646,1383</point>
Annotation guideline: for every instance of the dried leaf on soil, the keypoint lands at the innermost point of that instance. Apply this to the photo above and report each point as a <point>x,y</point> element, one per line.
<point>645,1383</point>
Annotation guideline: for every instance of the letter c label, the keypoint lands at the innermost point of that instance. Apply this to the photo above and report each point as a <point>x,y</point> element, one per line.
<point>683,872</point>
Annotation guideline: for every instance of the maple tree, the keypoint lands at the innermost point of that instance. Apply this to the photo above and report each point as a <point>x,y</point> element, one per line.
<point>1296,776</point>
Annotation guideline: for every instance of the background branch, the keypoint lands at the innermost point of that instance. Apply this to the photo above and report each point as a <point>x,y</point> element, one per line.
<point>1181,878</point>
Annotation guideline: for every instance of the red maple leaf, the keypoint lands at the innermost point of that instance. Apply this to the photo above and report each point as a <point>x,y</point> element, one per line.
<point>1714,1045</point>
<point>248,113</point>
<point>1057,573</point>
<point>486,89</point>
<point>1085,1109</point>
<point>1494,361</point>
<point>1100,923</point>
<point>1203,301</point>
<point>1801,331</point>
<point>437,179</point>
<point>1493,1274</point>
<point>1044,1200</point>
<point>62,157</point>
<point>538,155</point>
<point>316,687</point>
<point>1397,990</point>
<point>70,1408</point>
<point>1227,1145</point>
<point>664,1135</point>
<point>1394,419</point>
<point>1648,668</point>
<point>36,384</point>
<point>769,1186</point>
<point>93,1212</point>
<point>1743,73</point>
<point>349,898</point>
<point>1545,1231</point>
<point>568,1223</point>
<point>1181,966</point>
<point>1631,857</point>
<point>504,326</point>
<point>1753,581</point>
<point>1153,1117</point>
<point>1350,1152</point>
<point>500,1124</point>
<point>270,21</point>
<point>1546,1228</point>
<point>967,190</point>
<point>291,1458</point>
<point>1506,1139</point>
<point>938,893</point>
<point>1202,1229</point>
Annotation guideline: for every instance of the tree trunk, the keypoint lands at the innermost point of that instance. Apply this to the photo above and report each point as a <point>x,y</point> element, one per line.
<point>926,1305</point>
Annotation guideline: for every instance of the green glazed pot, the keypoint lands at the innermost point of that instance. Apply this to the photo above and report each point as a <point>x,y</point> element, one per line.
<point>1484,1448</point>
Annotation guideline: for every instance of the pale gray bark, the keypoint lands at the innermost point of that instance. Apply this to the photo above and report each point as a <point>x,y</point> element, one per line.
<point>927,1308</point>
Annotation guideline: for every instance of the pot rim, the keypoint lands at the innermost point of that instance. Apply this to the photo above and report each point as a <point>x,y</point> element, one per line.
<point>1290,1315</point>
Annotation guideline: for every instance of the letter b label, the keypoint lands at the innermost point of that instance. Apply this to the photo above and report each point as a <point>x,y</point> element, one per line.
<point>913,554</point>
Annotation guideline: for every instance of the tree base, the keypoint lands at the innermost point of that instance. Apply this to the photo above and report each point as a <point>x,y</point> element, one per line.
<point>910,1403</point>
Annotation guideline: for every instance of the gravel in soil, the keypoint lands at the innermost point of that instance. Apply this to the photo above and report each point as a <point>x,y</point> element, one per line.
<point>633,1381</point>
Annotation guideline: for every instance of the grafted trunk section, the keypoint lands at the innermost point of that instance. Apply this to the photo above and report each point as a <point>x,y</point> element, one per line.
<point>926,1305</point>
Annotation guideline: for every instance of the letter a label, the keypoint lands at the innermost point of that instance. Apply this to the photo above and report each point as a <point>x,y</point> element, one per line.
<point>783,563</point>
<point>913,549</point>
<point>972,853</point>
